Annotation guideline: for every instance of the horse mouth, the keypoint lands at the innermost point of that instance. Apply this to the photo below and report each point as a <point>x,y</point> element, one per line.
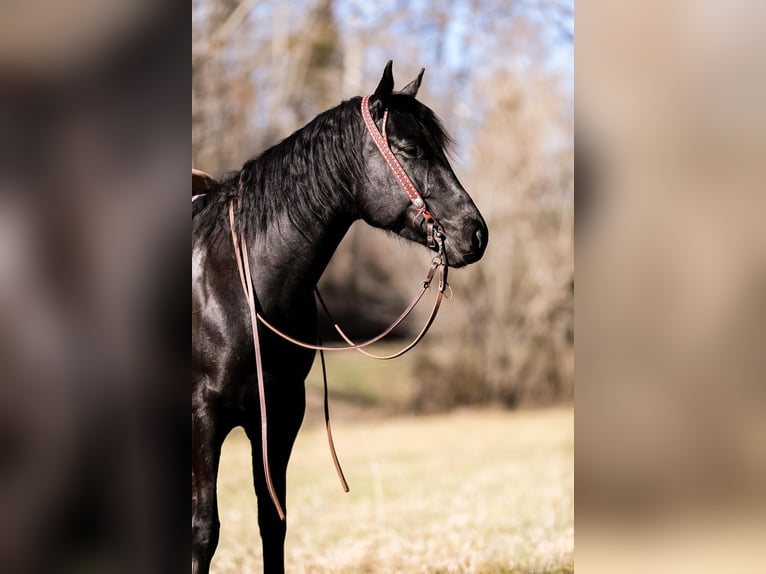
<point>463,258</point>
<point>468,252</point>
<point>470,245</point>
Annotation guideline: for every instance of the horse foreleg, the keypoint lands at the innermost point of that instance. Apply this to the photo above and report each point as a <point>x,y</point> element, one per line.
<point>206,452</point>
<point>283,426</point>
<point>273,529</point>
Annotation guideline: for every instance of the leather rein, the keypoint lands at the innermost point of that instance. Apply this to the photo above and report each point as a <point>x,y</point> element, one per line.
<point>435,236</point>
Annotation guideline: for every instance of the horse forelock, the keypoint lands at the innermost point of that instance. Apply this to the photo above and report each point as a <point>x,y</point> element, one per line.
<point>432,126</point>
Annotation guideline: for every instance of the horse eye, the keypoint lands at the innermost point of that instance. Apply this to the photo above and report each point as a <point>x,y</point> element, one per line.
<point>411,150</point>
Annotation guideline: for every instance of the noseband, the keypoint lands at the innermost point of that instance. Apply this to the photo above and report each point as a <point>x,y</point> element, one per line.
<point>435,236</point>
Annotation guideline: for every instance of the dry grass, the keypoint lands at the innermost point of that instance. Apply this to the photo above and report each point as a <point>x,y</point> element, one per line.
<point>474,491</point>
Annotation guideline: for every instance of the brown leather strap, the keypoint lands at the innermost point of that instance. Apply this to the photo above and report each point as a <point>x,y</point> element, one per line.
<point>406,348</point>
<point>328,428</point>
<point>383,334</point>
<point>237,253</point>
<point>245,276</point>
<point>261,385</point>
<point>380,140</point>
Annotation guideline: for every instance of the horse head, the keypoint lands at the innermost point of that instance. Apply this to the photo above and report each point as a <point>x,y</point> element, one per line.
<point>418,141</point>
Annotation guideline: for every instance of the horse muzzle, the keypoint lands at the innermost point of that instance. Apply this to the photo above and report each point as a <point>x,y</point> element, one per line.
<point>469,245</point>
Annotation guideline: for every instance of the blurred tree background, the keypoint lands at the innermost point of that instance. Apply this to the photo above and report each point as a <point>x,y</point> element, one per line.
<point>500,74</point>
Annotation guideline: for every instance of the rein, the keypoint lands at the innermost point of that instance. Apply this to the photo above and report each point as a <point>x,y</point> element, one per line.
<point>435,236</point>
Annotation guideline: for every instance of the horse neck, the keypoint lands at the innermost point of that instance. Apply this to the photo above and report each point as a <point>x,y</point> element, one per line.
<point>296,242</point>
<point>289,263</point>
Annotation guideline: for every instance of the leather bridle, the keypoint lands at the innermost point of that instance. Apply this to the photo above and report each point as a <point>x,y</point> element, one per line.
<point>435,236</point>
<point>434,231</point>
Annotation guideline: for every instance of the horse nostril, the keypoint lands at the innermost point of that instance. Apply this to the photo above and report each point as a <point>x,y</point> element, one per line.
<point>477,240</point>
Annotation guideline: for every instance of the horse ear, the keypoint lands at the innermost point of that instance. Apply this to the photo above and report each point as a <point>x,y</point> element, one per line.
<point>412,88</point>
<point>386,85</point>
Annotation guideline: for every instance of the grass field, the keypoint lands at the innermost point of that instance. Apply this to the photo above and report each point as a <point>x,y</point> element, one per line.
<point>468,492</point>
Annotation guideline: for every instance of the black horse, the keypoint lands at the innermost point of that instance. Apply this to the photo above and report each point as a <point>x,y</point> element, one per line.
<point>298,199</point>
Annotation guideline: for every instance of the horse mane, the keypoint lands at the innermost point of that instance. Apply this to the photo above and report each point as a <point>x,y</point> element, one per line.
<point>302,176</point>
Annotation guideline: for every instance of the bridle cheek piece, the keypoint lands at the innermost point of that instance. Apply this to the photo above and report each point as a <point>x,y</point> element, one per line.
<point>434,230</point>
<point>435,236</point>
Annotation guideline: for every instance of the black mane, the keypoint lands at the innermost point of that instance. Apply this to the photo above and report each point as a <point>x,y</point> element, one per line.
<point>305,174</point>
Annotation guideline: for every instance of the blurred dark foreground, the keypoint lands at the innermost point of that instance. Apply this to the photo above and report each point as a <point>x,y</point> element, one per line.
<point>670,428</point>
<point>94,155</point>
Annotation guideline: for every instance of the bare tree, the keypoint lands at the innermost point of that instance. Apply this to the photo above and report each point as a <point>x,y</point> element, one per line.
<point>510,339</point>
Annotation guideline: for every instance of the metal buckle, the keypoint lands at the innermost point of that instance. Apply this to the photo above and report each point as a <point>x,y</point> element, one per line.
<point>439,237</point>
